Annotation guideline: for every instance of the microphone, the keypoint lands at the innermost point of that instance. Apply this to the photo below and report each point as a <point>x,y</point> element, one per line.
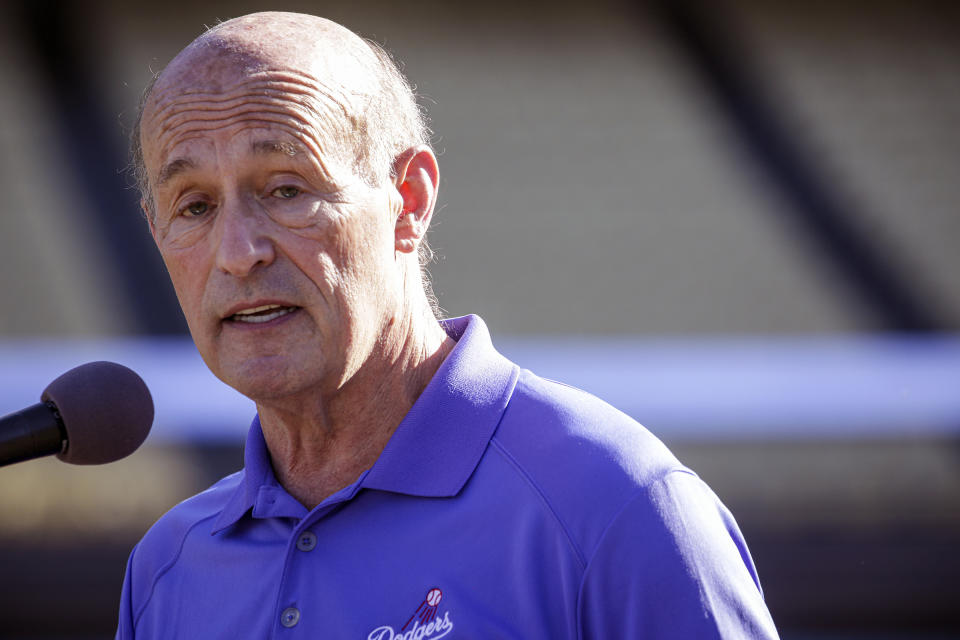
<point>93,414</point>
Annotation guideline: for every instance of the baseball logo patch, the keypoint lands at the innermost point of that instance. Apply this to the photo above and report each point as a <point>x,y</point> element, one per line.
<point>424,623</point>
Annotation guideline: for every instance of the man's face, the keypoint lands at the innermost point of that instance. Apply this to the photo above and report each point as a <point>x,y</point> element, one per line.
<point>281,256</point>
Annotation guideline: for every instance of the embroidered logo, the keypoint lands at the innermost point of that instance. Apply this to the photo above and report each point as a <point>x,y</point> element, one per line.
<point>424,624</point>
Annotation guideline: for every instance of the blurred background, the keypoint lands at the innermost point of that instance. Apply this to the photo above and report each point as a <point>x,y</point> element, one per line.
<point>737,221</point>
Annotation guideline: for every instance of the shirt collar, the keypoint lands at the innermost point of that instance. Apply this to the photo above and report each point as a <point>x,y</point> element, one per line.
<point>439,443</point>
<point>257,475</point>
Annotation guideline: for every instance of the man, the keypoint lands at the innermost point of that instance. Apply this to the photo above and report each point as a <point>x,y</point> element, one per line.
<point>402,480</point>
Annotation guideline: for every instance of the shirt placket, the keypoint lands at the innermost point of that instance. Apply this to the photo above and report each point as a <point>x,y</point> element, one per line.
<point>298,614</point>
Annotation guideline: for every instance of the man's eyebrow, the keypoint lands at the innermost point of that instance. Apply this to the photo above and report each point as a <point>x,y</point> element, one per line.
<point>174,167</point>
<point>276,146</point>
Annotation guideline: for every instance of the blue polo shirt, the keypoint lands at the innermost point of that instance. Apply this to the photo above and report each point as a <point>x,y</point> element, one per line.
<point>504,506</point>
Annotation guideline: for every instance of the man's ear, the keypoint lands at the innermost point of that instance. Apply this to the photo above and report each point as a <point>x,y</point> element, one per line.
<point>417,179</point>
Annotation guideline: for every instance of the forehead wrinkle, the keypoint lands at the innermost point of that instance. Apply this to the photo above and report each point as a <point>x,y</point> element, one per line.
<point>266,77</point>
<point>294,97</point>
<point>302,112</point>
<point>213,118</point>
<point>192,128</point>
<point>273,84</point>
<point>197,112</point>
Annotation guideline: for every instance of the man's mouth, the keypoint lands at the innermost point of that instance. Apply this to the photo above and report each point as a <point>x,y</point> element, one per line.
<point>263,313</point>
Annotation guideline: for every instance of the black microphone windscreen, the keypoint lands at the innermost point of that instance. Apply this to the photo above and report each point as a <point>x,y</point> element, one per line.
<point>106,411</point>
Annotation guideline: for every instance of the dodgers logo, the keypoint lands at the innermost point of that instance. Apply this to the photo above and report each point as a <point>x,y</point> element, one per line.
<point>427,624</point>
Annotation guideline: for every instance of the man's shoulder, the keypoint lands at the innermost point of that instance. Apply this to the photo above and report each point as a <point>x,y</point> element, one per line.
<point>556,425</point>
<point>163,542</point>
<point>585,458</point>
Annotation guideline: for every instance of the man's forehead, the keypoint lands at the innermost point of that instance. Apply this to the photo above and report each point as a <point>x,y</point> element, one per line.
<point>266,113</point>
<point>301,73</point>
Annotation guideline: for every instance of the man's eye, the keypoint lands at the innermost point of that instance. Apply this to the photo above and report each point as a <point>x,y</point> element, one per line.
<point>195,209</point>
<point>285,192</point>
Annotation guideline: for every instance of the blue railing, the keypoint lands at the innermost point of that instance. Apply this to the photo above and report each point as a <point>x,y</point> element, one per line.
<point>696,388</point>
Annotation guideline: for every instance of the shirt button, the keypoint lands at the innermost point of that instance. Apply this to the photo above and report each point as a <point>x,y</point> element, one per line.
<point>290,617</point>
<point>307,541</point>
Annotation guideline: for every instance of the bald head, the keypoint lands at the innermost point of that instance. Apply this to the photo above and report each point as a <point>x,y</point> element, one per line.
<point>275,41</point>
<point>348,87</point>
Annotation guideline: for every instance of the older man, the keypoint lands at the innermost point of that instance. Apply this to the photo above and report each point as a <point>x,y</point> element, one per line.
<point>402,479</point>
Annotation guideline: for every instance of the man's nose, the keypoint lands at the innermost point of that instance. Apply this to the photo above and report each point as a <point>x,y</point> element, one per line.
<point>244,242</point>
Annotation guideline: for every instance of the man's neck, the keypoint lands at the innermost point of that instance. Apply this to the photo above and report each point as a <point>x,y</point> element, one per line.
<point>322,442</point>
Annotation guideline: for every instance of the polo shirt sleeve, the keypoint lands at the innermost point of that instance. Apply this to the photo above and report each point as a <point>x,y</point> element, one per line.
<point>672,564</point>
<point>125,622</point>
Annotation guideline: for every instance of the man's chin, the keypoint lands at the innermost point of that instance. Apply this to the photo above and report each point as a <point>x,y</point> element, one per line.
<point>265,378</point>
